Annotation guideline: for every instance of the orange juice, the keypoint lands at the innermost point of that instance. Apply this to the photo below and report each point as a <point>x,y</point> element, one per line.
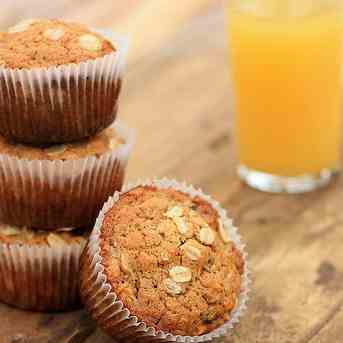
<point>287,80</point>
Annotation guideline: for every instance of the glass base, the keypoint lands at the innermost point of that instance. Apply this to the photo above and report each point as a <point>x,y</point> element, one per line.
<point>279,184</point>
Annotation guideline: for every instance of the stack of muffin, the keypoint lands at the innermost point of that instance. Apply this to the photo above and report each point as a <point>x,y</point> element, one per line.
<point>61,154</point>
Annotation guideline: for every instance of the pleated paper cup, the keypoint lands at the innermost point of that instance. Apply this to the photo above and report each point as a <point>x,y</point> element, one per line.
<point>106,307</point>
<point>65,103</point>
<point>61,193</point>
<point>41,277</point>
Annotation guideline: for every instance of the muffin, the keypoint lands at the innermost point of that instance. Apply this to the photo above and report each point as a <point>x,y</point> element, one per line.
<point>61,185</point>
<point>59,81</point>
<point>39,269</point>
<point>164,261</point>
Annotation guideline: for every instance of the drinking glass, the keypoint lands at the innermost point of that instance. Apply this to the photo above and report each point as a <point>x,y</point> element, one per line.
<point>286,62</point>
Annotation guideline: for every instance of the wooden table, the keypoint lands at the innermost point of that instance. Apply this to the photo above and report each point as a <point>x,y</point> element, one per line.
<point>177,96</point>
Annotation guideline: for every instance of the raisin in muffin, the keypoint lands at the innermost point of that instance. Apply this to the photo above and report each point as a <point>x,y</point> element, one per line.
<point>169,259</point>
<point>60,81</point>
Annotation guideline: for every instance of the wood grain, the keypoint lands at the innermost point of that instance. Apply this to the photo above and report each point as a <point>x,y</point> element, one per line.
<point>178,97</point>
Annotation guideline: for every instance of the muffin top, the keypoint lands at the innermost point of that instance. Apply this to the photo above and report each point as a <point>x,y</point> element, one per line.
<point>170,260</point>
<point>97,145</point>
<point>17,235</point>
<point>37,43</point>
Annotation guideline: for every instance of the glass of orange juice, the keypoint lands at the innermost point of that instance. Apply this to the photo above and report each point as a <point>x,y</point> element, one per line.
<point>286,59</point>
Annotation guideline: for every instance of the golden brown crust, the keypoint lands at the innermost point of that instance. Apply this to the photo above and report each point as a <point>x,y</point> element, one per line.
<point>97,145</point>
<point>21,235</point>
<point>45,43</point>
<point>170,262</point>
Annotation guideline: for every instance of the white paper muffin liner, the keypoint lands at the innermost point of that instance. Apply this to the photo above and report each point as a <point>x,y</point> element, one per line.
<point>110,313</point>
<point>63,103</point>
<point>51,194</point>
<point>40,277</point>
